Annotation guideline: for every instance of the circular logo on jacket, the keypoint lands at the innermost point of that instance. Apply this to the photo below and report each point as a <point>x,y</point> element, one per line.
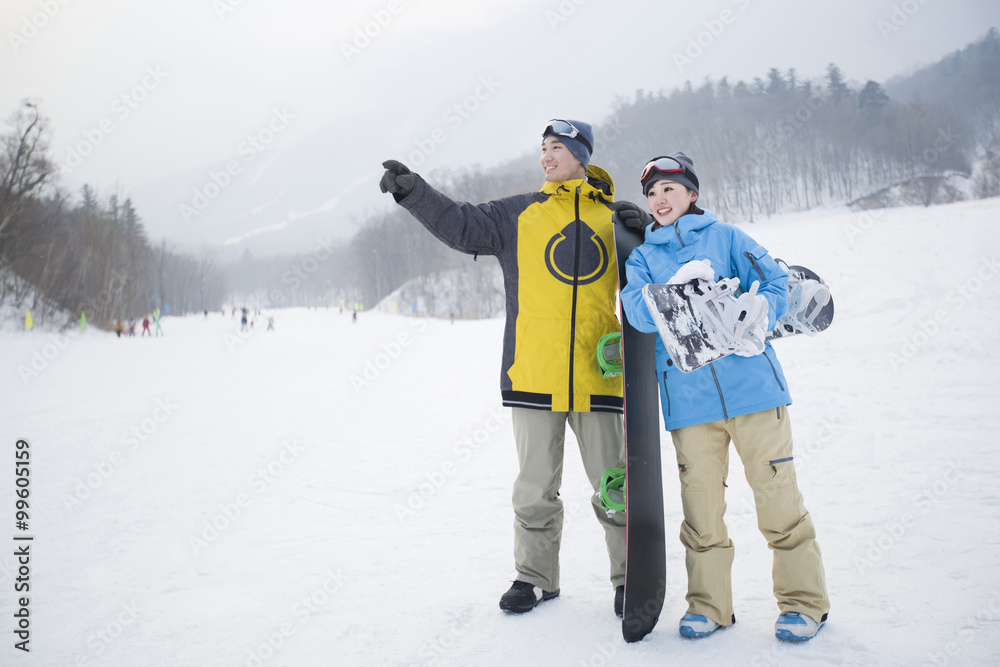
<point>576,252</point>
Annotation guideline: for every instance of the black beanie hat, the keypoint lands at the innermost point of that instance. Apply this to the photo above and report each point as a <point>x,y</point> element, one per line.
<point>688,178</point>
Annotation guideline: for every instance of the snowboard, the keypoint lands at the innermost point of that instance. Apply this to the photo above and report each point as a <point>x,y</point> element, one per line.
<point>810,304</point>
<point>645,556</point>
<point>687,319</point>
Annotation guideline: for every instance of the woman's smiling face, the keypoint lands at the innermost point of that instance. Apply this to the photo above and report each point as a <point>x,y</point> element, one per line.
<point>668,201</point>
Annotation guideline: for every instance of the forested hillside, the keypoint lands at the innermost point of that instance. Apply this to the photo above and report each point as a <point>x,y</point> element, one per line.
<point>778,143</point>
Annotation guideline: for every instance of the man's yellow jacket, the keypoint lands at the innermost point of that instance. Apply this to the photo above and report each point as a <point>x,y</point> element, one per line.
<point>557,253</point>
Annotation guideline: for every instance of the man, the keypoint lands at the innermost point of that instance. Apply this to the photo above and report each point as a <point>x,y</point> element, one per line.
<point>556,251</point>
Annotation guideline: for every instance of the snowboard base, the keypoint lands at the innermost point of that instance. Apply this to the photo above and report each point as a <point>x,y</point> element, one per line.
<point>645,556</point>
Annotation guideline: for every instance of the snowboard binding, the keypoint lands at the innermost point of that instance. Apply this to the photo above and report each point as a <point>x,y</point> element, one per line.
<point>609,354</point>
<point>613,491</point>
<point>728,320</point>
<point>810,304</point>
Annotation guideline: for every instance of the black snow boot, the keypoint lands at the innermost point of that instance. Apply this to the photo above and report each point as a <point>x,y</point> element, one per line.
<point>521,597</point>
<point>620,601</point>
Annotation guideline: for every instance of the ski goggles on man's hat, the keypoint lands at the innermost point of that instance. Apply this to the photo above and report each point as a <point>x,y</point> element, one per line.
<point>564,128</point>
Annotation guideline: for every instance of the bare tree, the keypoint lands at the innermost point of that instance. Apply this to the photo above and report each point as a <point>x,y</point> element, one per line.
<point>24,166</point>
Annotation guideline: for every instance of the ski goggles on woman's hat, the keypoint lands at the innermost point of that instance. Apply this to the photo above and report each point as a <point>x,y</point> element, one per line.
<point>663,165</point>
<point>564,128</point>
<point>678,168</point>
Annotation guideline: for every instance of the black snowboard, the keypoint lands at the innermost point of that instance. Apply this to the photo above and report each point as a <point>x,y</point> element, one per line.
<point>645,558</point>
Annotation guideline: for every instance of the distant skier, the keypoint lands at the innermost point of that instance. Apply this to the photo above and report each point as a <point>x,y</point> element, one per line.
<point>159,329</point>
<point>119,328</point>
<point>354,316</point>
<point>270,324</point>
<point>131,328</point>
<point>741,398</point>
<point>243,321</point>
<point>145,327</point>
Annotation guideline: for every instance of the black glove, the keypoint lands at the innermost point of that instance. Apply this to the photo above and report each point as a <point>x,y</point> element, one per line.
<point>397,179</point>
<point>632,216</point>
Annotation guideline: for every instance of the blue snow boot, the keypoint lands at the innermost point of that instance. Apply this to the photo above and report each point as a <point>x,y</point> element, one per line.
<point>695,626</point>
<point>796,627</point>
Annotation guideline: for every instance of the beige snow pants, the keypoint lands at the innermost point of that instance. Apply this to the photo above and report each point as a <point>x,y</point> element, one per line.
<point>763,441</point>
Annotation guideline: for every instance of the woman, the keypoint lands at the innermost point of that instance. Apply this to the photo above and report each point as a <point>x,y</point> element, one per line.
<point>741,398</point>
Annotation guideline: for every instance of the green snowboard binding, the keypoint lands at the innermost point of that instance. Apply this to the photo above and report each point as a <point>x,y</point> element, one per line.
<point>613,491</point>
<point>609,354</point>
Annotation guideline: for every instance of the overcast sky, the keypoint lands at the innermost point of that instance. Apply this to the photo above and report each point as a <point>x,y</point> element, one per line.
<point>150,89</point>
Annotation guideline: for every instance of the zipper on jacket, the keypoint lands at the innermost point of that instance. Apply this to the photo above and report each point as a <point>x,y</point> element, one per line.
<point>775,372</point>
<point>666,392</point>
<point>755,265</point>
<point>718,387</point>
<point>576,278</point>
<point>677,229</point>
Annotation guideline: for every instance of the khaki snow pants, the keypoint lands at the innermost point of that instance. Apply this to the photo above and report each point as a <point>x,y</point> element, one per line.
<point>538,510</point>
<point>763,441</point>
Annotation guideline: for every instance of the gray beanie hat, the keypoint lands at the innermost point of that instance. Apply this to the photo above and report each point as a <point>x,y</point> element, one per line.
<point>581,145</point>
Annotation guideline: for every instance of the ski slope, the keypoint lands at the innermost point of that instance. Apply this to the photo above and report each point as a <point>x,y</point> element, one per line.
<point>338,493</point>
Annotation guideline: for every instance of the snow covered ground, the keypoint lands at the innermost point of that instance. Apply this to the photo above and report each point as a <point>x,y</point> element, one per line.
<point>338,493</point>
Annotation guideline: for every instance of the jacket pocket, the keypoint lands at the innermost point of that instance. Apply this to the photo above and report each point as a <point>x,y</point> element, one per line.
<point>541,356</point>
